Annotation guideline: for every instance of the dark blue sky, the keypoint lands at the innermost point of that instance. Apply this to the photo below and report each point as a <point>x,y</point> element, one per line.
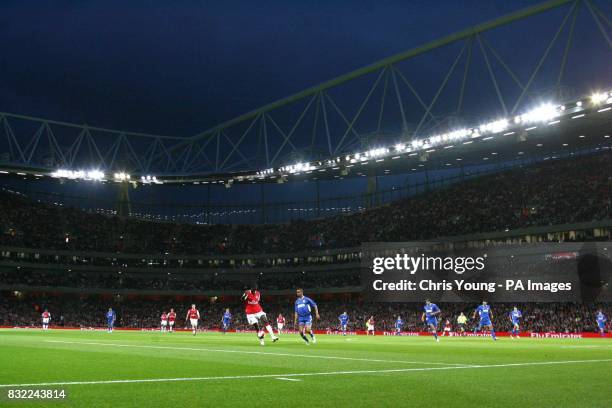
<point>179,67</point>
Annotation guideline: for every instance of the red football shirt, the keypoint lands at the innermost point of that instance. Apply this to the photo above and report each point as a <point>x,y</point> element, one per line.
<point>251,303</point>
<point>171,316</point>
<point>193,313</point>
<point>280,320</point>
<point>164,317</point>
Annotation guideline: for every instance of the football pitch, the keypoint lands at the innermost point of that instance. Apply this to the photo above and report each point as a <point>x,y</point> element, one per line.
<point>150,369</point>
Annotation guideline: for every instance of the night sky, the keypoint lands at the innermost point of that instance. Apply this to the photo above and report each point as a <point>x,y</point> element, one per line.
<point>180,67</point>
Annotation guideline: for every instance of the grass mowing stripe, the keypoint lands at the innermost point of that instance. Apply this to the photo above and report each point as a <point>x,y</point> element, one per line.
<point>593,346</point>
<point>330,373</point>
<point>369,360</point>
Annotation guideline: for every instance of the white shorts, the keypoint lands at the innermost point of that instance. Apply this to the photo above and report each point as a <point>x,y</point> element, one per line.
<point>194,322</point>
<point>171,322</point>
<point>447,329</point>
<point>370,327</point>
<point>46,320</point>
<point>280,326</point>
<point>254,318</point>
<point>164,322</point>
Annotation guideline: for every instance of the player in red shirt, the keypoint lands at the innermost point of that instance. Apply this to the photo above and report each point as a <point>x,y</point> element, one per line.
<point>447,328</point>
<point>171,318</point>
<point>280,323</point>
<point>255,315</point>
<point>164,322</point>
<point>46,316</point>
<point>370,326</point>
<point>193,315</point>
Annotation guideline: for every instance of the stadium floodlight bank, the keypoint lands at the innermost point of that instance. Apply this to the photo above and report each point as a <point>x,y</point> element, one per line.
<point>543,115</point>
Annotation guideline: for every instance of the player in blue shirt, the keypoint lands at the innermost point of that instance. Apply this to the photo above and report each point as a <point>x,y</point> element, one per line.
<point>485,313</point>
<point>601,322</point>
<point>399,323</point>
<point>343,322</point>
<point>303,315</point>
<point>515,315</point>
<point>431,310</point>
<point>110,319</point>
<point>226,321</point>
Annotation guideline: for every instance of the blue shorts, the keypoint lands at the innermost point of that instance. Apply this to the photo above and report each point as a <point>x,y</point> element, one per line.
<point>110,324</point>
<point>305,320</point>
<point>432,320</point>
<point>485,322</point>
<point>601,325</point>
<point>515,323</point>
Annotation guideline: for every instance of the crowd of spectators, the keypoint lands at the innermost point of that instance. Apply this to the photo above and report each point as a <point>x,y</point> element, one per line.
<point>88,312</point>
<point>174,282</point>
<point>549,193</point>
<point>182,262</point>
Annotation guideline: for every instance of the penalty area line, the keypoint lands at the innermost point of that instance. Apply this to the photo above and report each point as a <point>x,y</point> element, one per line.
<point>294,375</point>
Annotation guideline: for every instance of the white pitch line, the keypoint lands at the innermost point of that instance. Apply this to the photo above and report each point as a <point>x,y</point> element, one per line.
<point>369,360</point>
<point>328,373</point>
<point>288,379</point>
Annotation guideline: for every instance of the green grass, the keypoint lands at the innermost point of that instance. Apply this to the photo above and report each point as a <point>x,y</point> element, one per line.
<point>429,373</point>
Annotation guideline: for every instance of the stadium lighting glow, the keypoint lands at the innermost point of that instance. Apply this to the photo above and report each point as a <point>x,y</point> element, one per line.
<point>148,179</point>
<point>495,127</point>
<point>598,97</point>
<point>265,172</point>
<point>544,114</point>
<point>376,152</point>
<point>95,175</point>
<point>69,174</point>
<point>122,176</point>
